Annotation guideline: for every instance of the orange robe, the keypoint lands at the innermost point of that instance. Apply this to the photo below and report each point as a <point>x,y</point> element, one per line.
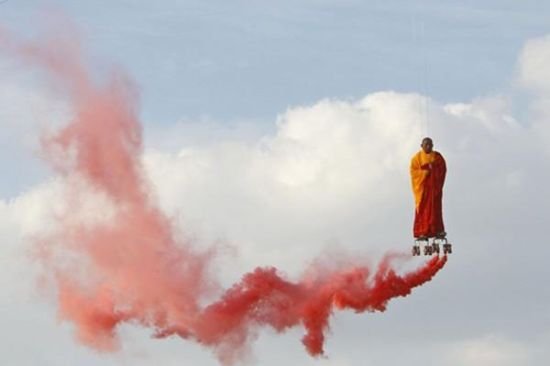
<point>427,187</point>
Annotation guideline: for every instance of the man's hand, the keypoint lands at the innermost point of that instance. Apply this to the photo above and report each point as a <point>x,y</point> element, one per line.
<point>427,168</point>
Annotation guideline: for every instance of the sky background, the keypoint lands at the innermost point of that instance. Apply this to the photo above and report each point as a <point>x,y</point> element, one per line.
<point>285,129</point>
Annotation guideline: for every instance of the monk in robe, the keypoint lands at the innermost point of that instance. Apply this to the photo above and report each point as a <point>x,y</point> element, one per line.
<point>428,171</point>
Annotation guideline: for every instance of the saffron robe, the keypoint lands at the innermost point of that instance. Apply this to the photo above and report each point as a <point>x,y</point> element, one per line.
<point>427,185</point>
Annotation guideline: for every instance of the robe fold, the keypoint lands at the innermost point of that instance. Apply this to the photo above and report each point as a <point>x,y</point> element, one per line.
<point>427,185</point>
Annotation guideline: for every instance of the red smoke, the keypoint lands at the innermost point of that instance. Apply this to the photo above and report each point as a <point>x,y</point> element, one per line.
<point>264,298</point>
<point>132,267</point>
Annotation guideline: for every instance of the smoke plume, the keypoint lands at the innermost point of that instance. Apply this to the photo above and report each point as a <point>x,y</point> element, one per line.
<point>131,265</point>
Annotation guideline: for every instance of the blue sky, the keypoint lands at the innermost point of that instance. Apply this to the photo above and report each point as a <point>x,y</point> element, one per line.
<point>247,59</point>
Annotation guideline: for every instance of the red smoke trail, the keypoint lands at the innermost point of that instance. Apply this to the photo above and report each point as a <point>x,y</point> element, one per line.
<point>264,298</point>
<point>131,267</point>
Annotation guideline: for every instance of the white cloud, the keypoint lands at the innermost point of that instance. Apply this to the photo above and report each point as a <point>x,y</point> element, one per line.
<point>489,350</point>
<point>331,171</point>
<point>533,75</point>
<point>533,62</point>
<point>314,183</point>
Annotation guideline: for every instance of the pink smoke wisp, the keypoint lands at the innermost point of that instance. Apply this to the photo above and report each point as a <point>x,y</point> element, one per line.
<point>133,268</point>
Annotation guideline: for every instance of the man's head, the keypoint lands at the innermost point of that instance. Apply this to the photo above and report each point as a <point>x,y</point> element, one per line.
<point>427,145</point>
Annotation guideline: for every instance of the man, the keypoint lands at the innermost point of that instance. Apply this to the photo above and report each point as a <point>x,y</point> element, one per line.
<point>428,171</point>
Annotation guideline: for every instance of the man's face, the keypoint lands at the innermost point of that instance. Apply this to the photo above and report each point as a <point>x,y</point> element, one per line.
<point>427,145</point>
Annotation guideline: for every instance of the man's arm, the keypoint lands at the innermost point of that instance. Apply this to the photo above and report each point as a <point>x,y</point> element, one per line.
<point>441,170</point>
<point>417,178</point>
<point>417,170</point>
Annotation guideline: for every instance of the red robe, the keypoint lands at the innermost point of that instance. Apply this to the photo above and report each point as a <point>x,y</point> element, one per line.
<point>428,190</point>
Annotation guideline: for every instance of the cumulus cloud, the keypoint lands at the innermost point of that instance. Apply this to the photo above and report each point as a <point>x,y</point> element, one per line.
<point>488,351</point>
<point>333,171</point>
<point>533,62</point>
<point>311,184</point>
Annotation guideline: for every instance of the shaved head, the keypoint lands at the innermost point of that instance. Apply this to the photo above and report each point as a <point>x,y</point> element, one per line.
<point>427,145</point>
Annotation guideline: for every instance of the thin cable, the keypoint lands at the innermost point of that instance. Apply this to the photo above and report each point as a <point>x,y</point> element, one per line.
<point>424,103</point>
<point>425,80</point>
<point>420,99</point>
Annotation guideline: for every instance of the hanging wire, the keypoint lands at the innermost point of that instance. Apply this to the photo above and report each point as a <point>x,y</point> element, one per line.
<point>424,72</point>
<point>416,31</point>
<point>421,78</point>
<point>424,108</point>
